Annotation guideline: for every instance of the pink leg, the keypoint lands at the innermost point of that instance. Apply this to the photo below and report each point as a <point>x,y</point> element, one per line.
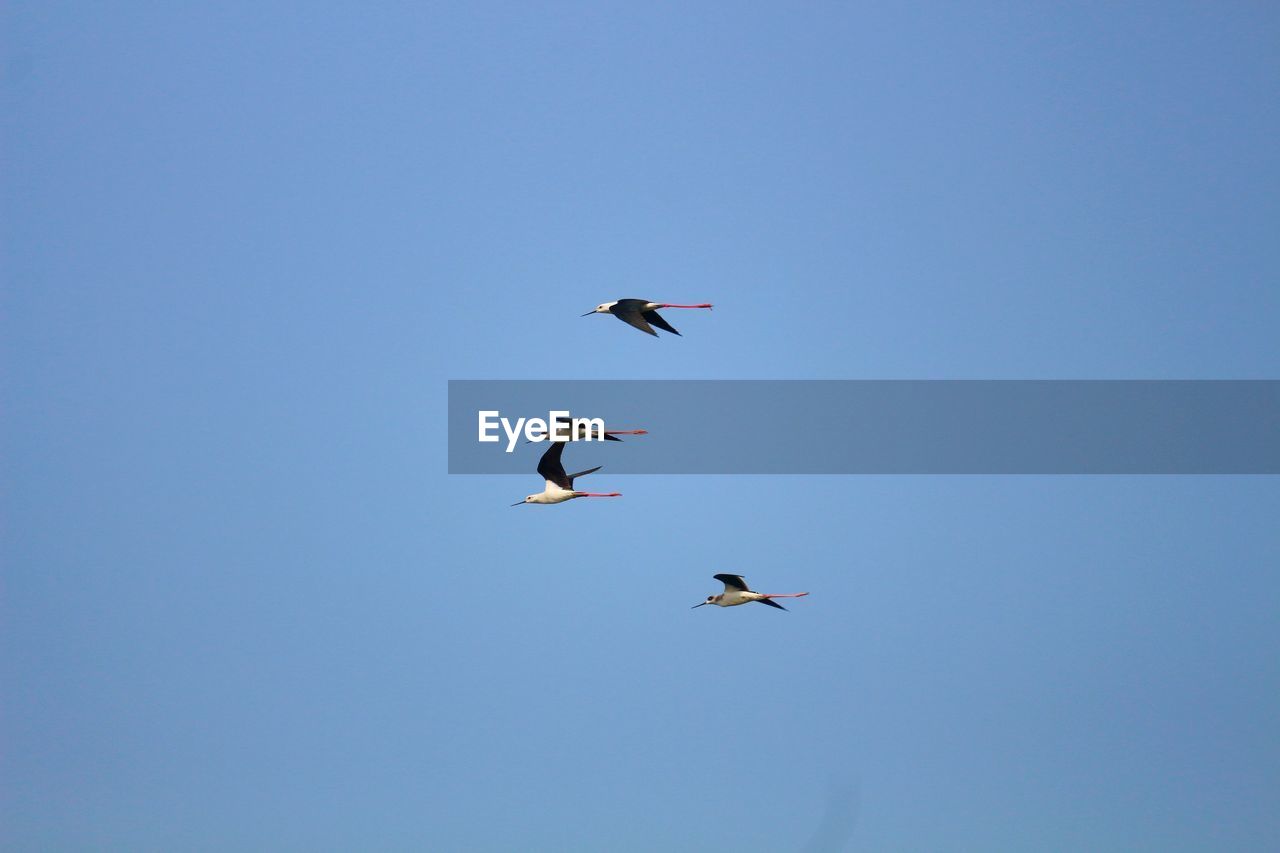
<point>626,432</point>
<point>785,594</point>
<point>599,495</point>
<point>702,305</point>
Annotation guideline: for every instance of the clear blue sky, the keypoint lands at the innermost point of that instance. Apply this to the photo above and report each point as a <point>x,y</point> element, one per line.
<point>246,245</point>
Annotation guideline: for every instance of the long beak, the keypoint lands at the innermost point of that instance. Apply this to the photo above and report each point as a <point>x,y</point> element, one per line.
<point>521,503</point>
<point>696,606</point>
<point>588,314</point>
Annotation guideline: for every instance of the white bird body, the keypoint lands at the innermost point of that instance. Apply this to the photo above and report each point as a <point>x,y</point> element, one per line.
<point>636,305</point>
<point>553,494</point>
<point>558,496</point>
<point>736,592</point>
<point>734,597</point>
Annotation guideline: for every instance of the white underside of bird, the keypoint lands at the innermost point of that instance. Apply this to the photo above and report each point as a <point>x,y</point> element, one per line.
<point>736,597</point>
<point>553,495</point>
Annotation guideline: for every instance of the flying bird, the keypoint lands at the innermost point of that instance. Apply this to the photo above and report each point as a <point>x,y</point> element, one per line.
<point>736,592</point>
<point>640,313</point>
<point>559,484</point>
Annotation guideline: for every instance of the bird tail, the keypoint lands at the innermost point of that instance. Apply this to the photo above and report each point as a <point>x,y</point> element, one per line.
<point>772,595</point>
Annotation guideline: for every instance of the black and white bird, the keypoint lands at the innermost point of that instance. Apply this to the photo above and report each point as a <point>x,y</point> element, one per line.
<point>641,313</point>
<point>736,592</point>
<point>559,484</point>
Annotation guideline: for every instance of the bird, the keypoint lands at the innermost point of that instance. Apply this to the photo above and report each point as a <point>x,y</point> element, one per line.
<point>559,484</point>
<point>581,432</point>
<point>736,592</point>
<point>640,313</point>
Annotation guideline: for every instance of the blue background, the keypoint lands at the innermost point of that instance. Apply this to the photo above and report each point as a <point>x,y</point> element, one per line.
<point>246,245</point>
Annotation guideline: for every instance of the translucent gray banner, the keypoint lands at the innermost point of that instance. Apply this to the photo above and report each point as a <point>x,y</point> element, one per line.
<point>882,427</point>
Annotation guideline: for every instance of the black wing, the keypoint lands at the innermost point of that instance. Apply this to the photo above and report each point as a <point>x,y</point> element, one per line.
<point>652,317</point>
<point>633,318</point>
<point>732,581</point>
<point>771,603</point>
<point>551,469</point>
<point>573,477</point>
